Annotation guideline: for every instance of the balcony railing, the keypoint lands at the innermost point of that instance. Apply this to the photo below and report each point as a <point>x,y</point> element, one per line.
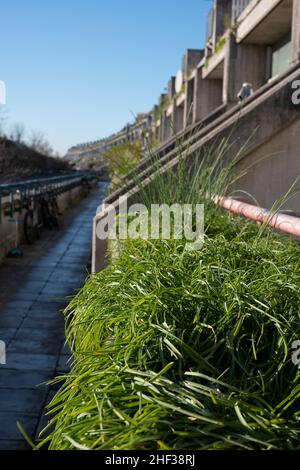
<point>237,7</point>
<point>210,24</point>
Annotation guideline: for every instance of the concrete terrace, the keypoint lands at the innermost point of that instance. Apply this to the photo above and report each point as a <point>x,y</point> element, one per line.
<point>33,292</point>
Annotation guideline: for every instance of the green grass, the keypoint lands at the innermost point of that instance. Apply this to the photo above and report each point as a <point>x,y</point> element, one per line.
<point>185,350</point>
<point>177,349</point>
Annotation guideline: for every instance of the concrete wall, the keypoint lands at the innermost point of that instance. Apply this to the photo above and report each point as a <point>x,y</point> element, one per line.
<point>273,168</point>
<point>243,63</point>
<point>296,32</point>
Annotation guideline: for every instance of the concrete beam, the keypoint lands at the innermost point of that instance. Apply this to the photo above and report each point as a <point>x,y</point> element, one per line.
<point>178,118</point>
<point>207,96</point>
<point>171,87</point>
<point>223,10</point>
<point>165,127</point>
<point>191,60</point>
<point>189,102</point>
<point>161,128</point>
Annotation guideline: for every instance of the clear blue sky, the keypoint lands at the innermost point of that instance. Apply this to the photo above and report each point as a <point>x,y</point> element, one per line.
<point>77,69</point>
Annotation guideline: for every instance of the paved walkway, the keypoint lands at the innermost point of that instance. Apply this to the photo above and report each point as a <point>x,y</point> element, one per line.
<point>33,291</point>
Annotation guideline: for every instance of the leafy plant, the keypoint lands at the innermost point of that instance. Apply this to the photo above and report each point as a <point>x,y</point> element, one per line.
<point>220,44</point>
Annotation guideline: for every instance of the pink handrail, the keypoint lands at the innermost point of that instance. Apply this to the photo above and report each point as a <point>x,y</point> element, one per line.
<point>283,222</point>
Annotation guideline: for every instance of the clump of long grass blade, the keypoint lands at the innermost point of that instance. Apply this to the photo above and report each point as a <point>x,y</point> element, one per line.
<point>187,350</point>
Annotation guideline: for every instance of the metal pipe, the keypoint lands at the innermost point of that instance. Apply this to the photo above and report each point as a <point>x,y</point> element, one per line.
<point>283,222</point>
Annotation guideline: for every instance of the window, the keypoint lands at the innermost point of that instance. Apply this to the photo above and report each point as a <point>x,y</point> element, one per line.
<point>281,56</point>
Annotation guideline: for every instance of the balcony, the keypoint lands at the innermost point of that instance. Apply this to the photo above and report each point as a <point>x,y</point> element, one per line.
<point>265,21</point>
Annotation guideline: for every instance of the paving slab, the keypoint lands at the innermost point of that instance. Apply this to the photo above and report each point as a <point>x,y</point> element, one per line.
<point>25,361</point>
<point>11,319</point>
<point>28,345</point>
<point>29,379</point>
<point>23,295</point>
<point>22,400</point>
<point>6,334</point>
<point>14,445</point>
<point>54,325</point>
<point>9,427</point>
<point>43,307</point>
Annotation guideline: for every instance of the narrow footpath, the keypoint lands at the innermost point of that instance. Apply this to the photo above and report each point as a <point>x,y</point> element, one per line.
<point>34,290</point>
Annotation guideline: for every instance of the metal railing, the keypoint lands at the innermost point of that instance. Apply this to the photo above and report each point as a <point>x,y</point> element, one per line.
<point>6,189</point>
<point>237,7</point>
<point>27,207</point>
<point>210,24</point>
<point>21,190</point>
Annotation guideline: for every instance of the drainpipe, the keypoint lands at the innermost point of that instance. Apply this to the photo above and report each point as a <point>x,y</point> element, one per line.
<point>280,221</point>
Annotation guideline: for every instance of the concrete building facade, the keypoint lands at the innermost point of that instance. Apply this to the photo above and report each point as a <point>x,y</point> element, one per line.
<point>247,41</point>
